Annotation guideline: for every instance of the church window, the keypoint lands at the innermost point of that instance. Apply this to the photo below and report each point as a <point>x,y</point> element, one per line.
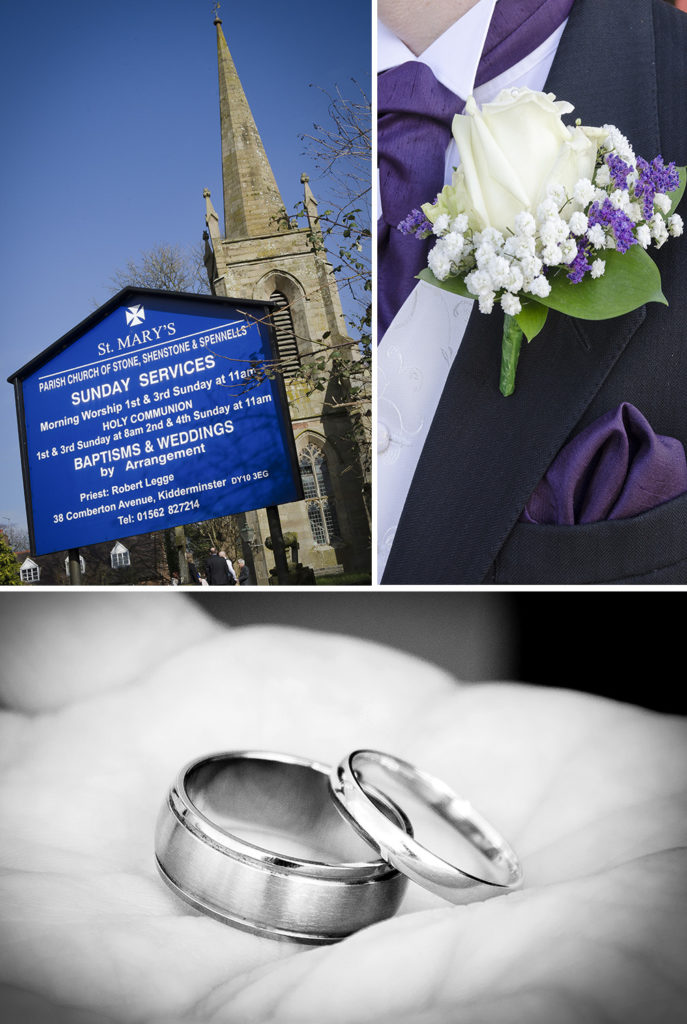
<point>287,345</point>
<point>317,488</point>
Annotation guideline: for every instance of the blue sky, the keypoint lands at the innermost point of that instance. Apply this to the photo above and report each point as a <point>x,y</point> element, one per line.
<point>110,123</point>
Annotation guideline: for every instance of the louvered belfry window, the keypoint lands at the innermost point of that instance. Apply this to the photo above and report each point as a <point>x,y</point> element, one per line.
<point>287,346</point>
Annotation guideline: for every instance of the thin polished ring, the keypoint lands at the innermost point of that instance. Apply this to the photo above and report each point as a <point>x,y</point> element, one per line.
<point>214,839</point>
<point>351,788</point>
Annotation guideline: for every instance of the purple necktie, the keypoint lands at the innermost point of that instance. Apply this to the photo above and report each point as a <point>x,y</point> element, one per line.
<point>415,113</point>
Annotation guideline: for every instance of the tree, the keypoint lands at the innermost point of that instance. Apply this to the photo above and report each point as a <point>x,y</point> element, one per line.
<point>167,267</point>
<point>16,536</point>
<point>222,533</point>
<point>9,566</point>
<point>341,150</point>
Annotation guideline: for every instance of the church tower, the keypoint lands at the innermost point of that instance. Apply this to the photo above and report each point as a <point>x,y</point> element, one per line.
<point>262,255</point>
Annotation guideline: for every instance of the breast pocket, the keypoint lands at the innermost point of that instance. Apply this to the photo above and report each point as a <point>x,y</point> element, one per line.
<point>646,549</point>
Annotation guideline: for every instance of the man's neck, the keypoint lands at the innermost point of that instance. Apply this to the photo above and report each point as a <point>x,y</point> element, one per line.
<point>419,22</point>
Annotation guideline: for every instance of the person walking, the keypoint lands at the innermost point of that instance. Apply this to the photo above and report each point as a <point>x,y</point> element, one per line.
<point>216,570</point>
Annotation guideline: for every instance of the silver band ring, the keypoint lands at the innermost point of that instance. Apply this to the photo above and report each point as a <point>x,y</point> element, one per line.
<point>229,841</point>
<point>350,784</point>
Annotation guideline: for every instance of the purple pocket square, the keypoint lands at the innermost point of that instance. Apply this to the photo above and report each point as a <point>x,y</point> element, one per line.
<point>617,467</point>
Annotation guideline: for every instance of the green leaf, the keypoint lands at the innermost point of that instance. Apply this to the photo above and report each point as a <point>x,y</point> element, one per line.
<point>451,284</point>
<point>531,318</point>
<point>677,195</point>
<point>631,279</point>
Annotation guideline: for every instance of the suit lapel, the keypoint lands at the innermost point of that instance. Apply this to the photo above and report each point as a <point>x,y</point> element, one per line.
<point>485,454</point>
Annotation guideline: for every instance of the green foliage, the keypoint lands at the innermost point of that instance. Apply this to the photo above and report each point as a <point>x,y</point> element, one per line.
<point>9,566</point>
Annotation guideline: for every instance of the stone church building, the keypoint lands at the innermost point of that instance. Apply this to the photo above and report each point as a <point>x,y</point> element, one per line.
<point>262,255</point>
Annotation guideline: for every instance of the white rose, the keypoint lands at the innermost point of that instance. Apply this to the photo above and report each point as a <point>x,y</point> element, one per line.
<point>512,150</point>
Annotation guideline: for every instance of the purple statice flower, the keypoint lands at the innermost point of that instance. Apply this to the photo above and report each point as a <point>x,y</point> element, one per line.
<point>580,265</point>
<point>619,170</point>
<point>654,177</point>
<point>608,216</point>
<point>415,224</point>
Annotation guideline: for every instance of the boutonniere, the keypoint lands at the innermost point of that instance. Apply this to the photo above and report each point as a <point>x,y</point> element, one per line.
<point>541,215</point>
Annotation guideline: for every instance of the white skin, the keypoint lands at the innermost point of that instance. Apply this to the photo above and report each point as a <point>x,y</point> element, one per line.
<point>419,22</point>
<point>106,699</point>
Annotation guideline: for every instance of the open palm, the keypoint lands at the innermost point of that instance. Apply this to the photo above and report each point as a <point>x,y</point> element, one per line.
<point>590,793</point>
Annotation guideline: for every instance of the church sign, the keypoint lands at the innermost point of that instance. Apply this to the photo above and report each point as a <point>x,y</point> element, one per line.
<point>154,412</point>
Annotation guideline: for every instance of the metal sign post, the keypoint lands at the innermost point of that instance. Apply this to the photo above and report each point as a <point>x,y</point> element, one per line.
<point>74,567</point>
<point>278,549</point>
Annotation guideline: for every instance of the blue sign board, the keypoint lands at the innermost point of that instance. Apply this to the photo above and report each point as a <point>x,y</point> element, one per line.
<point>154,412</point>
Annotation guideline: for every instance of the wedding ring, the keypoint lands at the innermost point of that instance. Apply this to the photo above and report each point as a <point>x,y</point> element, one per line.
<point>254,839</point>
<point>350,784</point>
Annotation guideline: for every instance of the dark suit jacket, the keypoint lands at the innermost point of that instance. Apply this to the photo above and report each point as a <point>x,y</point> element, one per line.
<point>217,571</point>
<point>623,63</point>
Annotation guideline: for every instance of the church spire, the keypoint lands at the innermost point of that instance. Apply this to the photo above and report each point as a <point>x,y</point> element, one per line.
<point>253,205</point>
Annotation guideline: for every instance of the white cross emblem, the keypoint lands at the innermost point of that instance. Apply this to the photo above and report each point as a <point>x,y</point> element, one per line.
<point>135,315</point>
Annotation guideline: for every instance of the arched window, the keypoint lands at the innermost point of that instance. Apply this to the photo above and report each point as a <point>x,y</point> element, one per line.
<point>287,345</point>
<point>318,492</point>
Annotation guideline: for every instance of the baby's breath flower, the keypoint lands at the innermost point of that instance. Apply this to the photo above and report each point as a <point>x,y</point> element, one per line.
<point>603,176</point>
<point>454,244</point>
<point>552,255</point>
<point>540,287</point>
<point>531,267</point>
<point>486,301</point>
<point>510,304</point>
<point>546,209</point>
<point>441,224</point>
<point>584,192</point>
<point>662,202</point>
<point>644,235</point>
<point>439,262</point>
<point>615,140</point>
<point>525,223</point>
<point>498,269</point>
<point>478,281</point>
<point>620,200</point>
<point>568,250</point>
<point>598,267</point>
<point>578,223</point>
<point>515,280</point>
<point>659,231</point>
<point>675,225</point>
<point>558,194</point>
<point>597,236</point>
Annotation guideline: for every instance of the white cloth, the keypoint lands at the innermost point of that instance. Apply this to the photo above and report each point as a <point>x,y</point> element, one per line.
<point>416,353</point>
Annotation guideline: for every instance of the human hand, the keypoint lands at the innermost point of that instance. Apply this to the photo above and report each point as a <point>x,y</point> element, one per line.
<point>590,794</point>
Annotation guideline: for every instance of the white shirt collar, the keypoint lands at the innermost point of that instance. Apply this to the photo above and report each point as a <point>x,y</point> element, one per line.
<point>453,57</point>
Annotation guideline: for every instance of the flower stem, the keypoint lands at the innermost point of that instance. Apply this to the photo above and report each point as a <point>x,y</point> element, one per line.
<point>510,351</point>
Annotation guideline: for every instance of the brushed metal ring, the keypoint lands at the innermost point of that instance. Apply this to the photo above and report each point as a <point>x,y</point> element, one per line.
<point>350,786</point>
<point>229,841</point>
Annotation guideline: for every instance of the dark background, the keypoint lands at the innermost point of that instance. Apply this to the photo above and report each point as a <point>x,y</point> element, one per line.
<point>624,645</point>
